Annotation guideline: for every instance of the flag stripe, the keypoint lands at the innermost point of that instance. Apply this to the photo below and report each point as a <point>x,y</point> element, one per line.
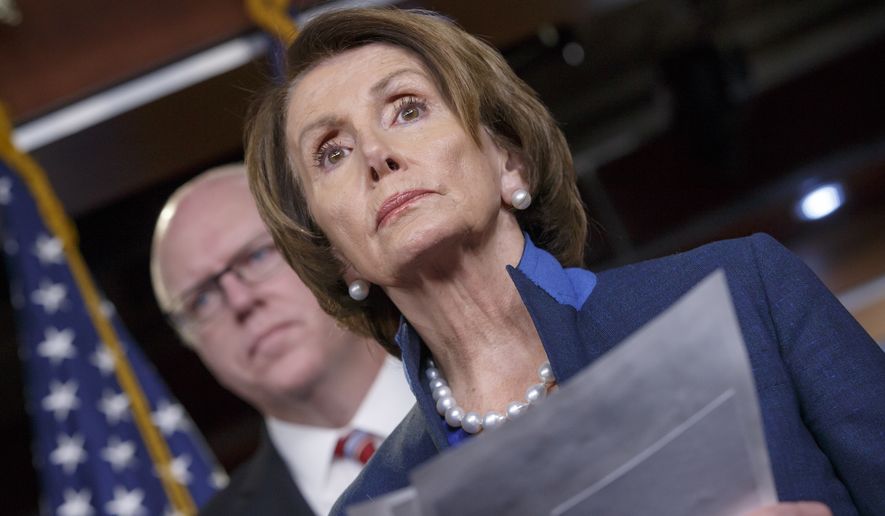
<point>54,217</point>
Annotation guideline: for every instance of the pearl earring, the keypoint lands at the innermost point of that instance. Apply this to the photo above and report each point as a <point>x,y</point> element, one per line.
<point>521,199</point>
<point>358,290</point>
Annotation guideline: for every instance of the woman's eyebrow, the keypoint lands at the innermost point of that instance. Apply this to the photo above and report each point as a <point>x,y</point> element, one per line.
<point>379,87</point>
<point>325,121</point>
<point>376,90</point>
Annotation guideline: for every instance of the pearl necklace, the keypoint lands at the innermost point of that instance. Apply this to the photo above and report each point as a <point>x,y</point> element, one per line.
<point>473,422</point>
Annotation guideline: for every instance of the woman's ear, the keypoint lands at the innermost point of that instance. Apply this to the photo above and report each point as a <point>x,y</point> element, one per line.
<point>513,175</point>
<point>357,286</point>
<point>348,273</point>
<point>511,164</point>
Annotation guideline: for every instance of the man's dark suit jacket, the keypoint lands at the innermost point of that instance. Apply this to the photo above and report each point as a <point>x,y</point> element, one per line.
<point>819,377</point>
<point>262,486</point>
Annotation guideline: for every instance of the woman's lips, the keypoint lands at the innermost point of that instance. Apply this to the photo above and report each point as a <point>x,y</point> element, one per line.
<point>395,203</point>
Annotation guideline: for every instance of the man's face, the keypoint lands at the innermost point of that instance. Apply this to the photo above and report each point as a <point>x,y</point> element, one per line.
<point>270,339</point>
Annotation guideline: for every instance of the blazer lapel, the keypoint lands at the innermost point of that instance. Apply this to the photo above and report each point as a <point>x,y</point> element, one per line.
<point>557,325</point>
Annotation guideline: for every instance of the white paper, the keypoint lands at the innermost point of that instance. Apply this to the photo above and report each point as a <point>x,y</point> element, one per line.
<point>402,502</point>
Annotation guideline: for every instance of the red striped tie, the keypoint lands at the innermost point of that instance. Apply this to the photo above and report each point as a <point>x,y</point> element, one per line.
<point>356,445</point>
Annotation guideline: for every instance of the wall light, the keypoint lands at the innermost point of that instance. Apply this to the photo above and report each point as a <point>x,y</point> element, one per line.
<point>573,53</point>
<point>821,201</point>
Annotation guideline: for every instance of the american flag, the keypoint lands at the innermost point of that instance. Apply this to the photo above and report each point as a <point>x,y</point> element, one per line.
<point>108,436</point>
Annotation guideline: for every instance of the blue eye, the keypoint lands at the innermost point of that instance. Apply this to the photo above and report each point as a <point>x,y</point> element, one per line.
<point>254,265</point>
<point>202,302</point>
<point>259,255</point>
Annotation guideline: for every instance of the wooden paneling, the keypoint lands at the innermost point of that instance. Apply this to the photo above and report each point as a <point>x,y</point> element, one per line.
<point>168,138</point>
<point>63,50</point>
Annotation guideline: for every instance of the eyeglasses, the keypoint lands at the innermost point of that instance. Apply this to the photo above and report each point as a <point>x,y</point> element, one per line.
<point>202,303</point>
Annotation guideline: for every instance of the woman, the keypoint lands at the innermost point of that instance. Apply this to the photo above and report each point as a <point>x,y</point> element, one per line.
<point>428,199</point>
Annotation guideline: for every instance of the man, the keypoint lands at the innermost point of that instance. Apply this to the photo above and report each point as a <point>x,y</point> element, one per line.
<point>262,334</point>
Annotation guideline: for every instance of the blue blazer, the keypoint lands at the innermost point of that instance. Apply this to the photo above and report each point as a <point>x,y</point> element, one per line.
<point>820,377</point>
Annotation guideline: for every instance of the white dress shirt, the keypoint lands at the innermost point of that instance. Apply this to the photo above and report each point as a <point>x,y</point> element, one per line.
<point>308,450</point>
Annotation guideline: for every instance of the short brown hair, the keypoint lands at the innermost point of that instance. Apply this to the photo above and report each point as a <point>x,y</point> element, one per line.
<point>482,91</point>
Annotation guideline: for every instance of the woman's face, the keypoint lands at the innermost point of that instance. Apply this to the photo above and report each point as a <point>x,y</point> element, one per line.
<point>389,173</point>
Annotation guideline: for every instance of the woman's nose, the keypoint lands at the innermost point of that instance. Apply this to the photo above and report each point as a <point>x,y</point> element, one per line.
<point>390,165</point>
<point>380,157</point>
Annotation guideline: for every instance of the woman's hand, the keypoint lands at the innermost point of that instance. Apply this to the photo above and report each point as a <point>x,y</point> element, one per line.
<point>793,509</point>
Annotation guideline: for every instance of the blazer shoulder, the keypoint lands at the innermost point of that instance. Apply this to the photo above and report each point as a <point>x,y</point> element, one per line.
<point>654,284</point>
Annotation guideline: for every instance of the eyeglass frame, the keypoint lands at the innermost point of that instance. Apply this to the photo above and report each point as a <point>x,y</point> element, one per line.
<point>186,323</point>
